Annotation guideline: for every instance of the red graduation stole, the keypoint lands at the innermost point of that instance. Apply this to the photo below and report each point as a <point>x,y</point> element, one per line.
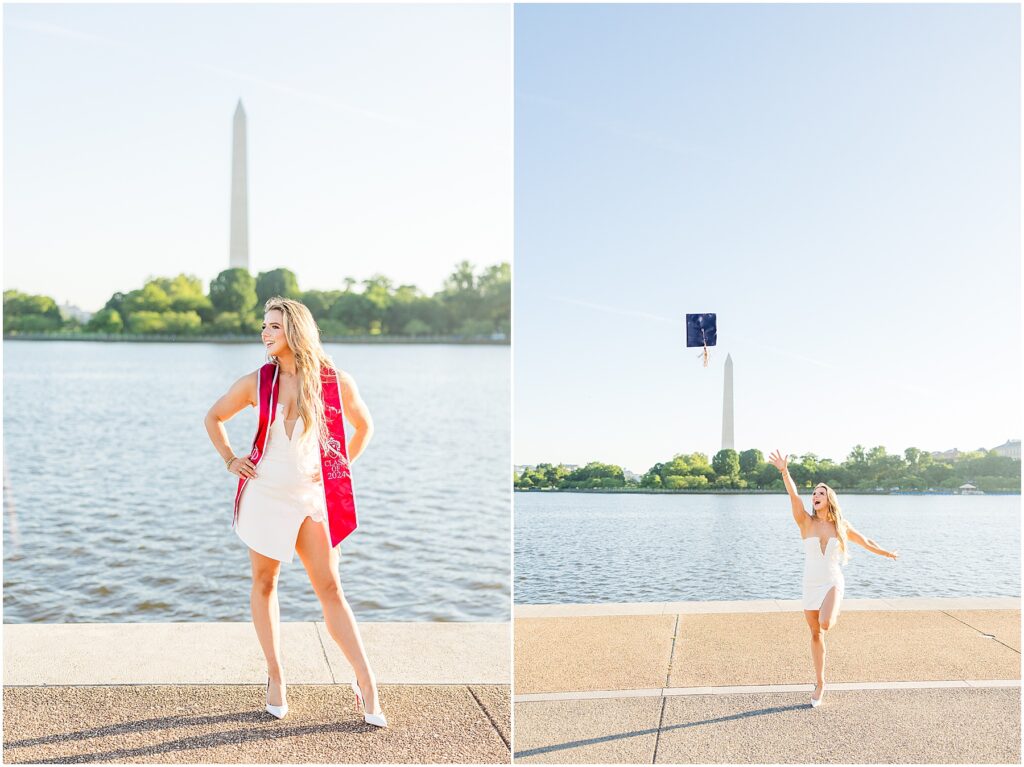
<point>334,467</point>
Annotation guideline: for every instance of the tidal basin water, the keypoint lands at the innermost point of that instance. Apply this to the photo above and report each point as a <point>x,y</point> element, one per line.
<point>590,548</point>
<point>117,507</point>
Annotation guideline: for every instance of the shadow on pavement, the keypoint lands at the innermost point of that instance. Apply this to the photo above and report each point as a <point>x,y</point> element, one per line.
<point>637,733</point>
<point>161,723</point>
<point>236,737</point>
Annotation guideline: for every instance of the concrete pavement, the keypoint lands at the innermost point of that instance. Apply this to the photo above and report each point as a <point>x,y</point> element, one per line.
<point>912,680</point>
<point>227,724</point>
<point>193,692</point>
<point>228,653</point>
<point>879,726</point>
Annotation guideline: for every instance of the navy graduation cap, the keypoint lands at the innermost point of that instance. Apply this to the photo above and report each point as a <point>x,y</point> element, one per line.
<point>701,330</point>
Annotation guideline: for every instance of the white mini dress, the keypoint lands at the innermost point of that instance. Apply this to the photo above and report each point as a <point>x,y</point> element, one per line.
<point>821,571</point>
<point>274,505</point>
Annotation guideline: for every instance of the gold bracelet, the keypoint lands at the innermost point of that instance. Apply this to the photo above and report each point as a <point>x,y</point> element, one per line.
<point>228,461</point>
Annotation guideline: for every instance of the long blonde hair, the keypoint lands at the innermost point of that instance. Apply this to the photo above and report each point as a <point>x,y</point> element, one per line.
<point>303,337</point>
<point>834,514</point>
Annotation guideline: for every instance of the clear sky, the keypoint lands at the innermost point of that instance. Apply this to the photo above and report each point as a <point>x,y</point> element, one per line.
<point>380,140</point>
<point>840,183</point>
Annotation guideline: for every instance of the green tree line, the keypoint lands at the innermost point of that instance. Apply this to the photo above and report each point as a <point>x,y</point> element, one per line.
<point>471,303</point>
<point>863,469</point>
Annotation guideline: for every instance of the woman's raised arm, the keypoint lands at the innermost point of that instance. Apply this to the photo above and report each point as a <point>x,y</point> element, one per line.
<point>781,462</point>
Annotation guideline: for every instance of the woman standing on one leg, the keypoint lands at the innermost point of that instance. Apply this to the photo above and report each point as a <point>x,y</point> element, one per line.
<point>300,499</point>
<point>825,533</point>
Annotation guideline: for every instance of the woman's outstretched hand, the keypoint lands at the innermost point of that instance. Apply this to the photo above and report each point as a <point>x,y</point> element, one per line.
<point>779,461</point>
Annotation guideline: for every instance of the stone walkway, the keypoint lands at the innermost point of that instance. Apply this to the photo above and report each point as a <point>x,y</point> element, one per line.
<point>227,724</point>
<point>194,693</point>
<point>911,681</point>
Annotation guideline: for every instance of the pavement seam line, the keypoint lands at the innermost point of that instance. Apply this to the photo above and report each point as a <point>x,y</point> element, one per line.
<point>994,637</point>
<point>672,650</point>
<point>231,683</point>
<point>900,604</point>
<point>489,717</point>
<point>661,720</point>
<point>977,684</point>
<point>330,668</point>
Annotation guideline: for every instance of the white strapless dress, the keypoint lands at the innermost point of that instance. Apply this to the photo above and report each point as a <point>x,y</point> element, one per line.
<point>821,571</point>
<point>274,505</point>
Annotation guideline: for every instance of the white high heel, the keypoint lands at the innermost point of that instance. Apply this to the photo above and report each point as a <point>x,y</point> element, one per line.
<point>377,720</point>
<point>816,703</point>
<point>278,711</point>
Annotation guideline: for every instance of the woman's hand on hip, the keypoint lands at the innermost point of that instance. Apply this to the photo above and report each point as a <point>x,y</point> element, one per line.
<point>316,477</point>
<point>243,467</point>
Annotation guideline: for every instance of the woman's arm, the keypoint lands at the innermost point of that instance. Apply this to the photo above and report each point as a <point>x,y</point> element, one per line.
<point>869,544</point>
<point>781,462</point>
<point>357,414</point>
<point>241,394</point>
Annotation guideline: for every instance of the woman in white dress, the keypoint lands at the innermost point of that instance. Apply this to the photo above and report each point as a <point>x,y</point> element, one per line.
<point>825,533</point>
<point>283,508</point>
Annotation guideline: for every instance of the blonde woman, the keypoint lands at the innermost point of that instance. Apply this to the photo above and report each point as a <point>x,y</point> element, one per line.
<point>294,487</point>
<point>826,536</point>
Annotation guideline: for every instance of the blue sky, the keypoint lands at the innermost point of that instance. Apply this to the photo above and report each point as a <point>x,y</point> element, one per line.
<point>380,140</point>
<point>839,183</point>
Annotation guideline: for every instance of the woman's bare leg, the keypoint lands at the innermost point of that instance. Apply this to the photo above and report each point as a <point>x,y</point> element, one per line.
<point>266,617</point>
<point>817,650</point>
<point>321,562</point>
<point>828,615</point>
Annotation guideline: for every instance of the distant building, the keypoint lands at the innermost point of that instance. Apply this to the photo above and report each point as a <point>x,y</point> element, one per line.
<point>954,454</point>
<point>521,467</point>
<point>968,489</point>
<point>631,476</point>
<point>69,312</point>
<point>1009,449</point>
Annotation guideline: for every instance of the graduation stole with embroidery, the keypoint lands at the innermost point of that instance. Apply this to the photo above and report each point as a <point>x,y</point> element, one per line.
<point>334,467</point>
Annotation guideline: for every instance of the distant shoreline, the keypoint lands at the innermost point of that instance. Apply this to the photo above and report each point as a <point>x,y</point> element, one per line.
<point>252,339</point>
<point>733,491</point>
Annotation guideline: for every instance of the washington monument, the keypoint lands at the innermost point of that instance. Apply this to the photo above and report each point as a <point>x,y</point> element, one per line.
<point>239,248</point>
<point>728,437</point>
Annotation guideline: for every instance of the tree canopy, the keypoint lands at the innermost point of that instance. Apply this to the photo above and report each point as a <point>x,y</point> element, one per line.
<point>863,470</point>
<point>30,314</point>
<point>471,303</point>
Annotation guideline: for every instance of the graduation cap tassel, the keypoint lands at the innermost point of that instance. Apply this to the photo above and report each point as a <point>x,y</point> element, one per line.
<point>704,338</point>
<point>702,330</point>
